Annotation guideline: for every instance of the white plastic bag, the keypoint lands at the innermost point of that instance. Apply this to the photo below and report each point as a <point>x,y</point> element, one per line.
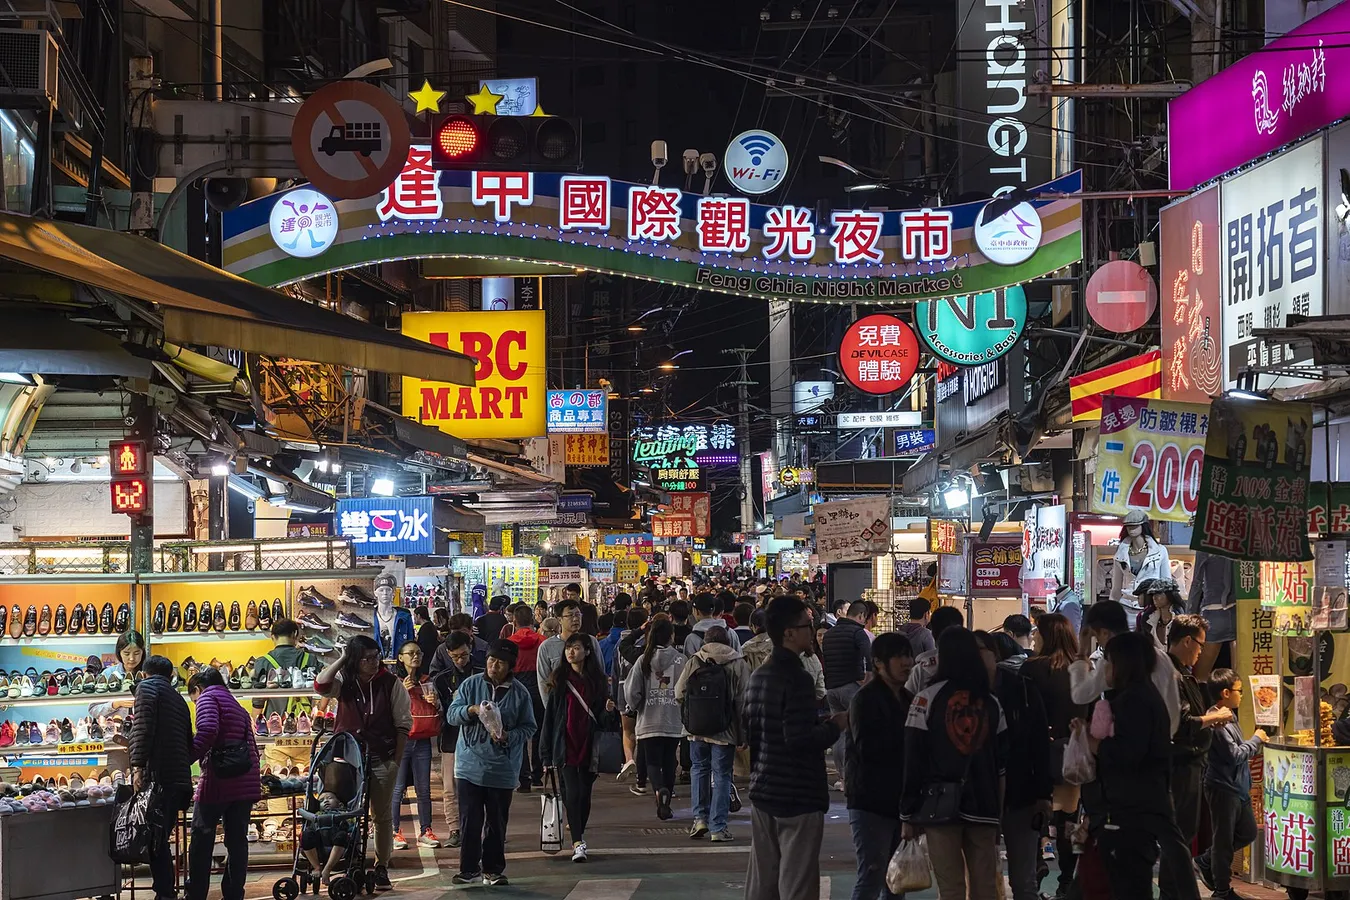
<point>1080,766</point>
<point>908,868</point>
<point>491,719</point>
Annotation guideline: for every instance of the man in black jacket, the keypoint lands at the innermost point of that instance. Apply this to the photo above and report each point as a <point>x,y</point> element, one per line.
<point>1026,799</point>
<point>876,747</point>
<point>459,650</point>
<point>787,781</point>
<point>846,656</point>
<point>161,754</point>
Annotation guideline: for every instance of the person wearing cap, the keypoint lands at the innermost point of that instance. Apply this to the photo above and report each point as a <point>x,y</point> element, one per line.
<point>487,762</point>
<point>1139,558</point>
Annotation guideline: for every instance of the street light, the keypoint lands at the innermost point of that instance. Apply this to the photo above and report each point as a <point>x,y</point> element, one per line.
<point>669,365</point>
<point>636,327</point>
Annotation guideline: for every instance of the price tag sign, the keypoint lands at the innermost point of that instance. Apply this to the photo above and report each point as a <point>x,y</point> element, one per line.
<point>292,742</point>
<point>77,749</point>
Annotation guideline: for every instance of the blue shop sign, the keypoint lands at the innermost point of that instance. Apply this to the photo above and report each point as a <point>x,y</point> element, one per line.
<point>574,503</point>
<point>388,526</point>
<point>577,412</point>
<point>911,441</point>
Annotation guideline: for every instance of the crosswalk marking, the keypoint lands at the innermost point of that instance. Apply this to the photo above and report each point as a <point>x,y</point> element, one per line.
<point>604,889</point>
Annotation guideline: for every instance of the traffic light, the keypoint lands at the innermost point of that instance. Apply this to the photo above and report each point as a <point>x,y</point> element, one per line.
<point>132,477</point>
<point>505,143</point>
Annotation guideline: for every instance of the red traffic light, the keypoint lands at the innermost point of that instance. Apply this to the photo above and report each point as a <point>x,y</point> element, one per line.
<point>456,138</point>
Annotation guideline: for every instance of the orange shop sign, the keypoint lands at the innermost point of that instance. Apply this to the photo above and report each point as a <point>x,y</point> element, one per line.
<point>507,399</point>
<point>587,449</point>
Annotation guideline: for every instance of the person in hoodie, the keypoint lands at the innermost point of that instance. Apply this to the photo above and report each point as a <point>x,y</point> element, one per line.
<point>916,629</point>
<point>650,690</point>
<point>526,672</point>
<point>709,611</point>
<point>713,756</point>
<point>926,663</point>
<point>487,762</point>
<point>222,725</point>
<point>1228,786</point>
<point>459,646</point>
<point>759,648</point>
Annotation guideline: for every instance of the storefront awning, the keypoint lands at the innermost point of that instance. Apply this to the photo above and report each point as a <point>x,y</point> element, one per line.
<point>49,344</point>
<point>204,305</point>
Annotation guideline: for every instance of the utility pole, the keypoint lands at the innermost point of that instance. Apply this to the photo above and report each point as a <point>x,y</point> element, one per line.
<point>743,385</point>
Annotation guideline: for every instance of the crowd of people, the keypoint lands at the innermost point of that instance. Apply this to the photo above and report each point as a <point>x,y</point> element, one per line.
<point>924,726</point>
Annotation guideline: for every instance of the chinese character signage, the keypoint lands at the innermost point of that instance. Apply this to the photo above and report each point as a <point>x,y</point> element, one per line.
<point>995,569</point>
<point>1047,536</point>
<point>913,441</point>
<point>1333,521</point>
<point>587,449</point>
<point>686,445</point>
<point>892,418</point>
<point>1336,783</point>
<point>388,526</point>
<point>1253,500</point>
<point>973,329</point>
<point>507,399</point>
<point>852,529</point>
<point>577,412</point>
<point>878,354</point>
<point>1290,810</point>
<point>678,478</point>
<point>1273,250</point>
<point>1149,457</point>
<point>1192,357</point>
<point>1287,590</point>
<point>945,536</point>
<point>689,515</point>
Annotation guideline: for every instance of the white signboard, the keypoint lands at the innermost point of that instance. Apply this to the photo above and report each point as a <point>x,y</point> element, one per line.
<point>852,529</point>
<point>1272,252</point>
<point>1052,535</point>
<point>952,572</point>
<point>520,96</point>
<point>755,162</point>
<point>560,576</point>
<point>808,396</point>
<point>895,418</point>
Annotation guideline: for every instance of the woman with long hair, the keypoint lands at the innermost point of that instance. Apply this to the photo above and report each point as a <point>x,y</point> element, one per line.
<point>415,765</point>
<point>650,690</point>
<point>955,756</point>
<point>373,706</point>
<point>1048,671</point>
<point>579,706</point>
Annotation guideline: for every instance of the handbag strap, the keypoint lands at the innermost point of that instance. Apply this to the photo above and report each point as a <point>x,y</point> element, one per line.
<point>551,782</point>
<point>580,699</point>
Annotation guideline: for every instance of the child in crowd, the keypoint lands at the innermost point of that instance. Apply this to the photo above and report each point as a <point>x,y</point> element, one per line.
<point>318,834</point>
<point>1228,783</point>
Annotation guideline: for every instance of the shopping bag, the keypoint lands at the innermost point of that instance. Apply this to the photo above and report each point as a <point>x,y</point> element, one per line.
<point>610,744</point>
<point>136,826</point>
<point>908,868</point>
<point>1080,766</point>
<point>491,719</point>
<point>551,817</point>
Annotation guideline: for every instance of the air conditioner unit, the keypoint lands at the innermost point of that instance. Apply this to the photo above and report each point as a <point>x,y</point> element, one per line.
<point>30,57</point>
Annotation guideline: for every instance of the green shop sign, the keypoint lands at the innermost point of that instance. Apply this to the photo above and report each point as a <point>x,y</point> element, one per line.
<point>973,329</point>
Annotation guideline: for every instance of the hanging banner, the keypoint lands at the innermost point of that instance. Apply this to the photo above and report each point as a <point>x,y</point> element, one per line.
<point>945,536</point>
<point>506,400</point>
<point>1192,358</point>
<point>995,569</point>
<point>952,572</point>
<point>1287,590</point>
<point>1254,485</point>
<point>1138,376</point>
<point>586,449</point>
<point>1052,536</point>
<point>689,515</point>
<point>1149,457</point>
<point>852,529</point>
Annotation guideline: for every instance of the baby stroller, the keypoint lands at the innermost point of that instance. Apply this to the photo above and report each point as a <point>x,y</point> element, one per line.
<point>337,767</point>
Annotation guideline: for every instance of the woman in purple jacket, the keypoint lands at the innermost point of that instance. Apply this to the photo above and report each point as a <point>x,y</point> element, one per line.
<point>224,740</point>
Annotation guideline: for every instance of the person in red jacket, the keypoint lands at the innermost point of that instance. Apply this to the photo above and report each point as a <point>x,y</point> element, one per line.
<point>528,639</point>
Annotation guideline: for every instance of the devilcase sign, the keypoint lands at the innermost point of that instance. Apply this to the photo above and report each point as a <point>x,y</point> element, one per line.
<point>507,400</point>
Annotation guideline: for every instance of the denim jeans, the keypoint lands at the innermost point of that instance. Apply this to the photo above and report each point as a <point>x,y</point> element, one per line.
<point>415,768</point>
<point>710,778</point>
<point>875,838</point>
<point>204,819</point>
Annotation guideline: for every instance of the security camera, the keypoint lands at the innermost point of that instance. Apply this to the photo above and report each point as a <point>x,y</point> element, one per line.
<point>690,161</point>
<point>659,156</point>
<point>708,162</point>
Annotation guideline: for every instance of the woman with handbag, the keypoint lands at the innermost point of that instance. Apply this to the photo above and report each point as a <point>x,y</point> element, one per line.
<point>955,754</point>
<point>229,786</point>
<point>415,767</point>
<point>579,708</point>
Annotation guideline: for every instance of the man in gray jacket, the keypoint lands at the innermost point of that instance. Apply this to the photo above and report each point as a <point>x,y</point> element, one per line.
<point>708,609</point>
<point>568,612</point>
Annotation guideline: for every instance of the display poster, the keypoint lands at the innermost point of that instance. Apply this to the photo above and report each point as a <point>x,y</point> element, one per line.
<point>1052,535</point>
<point>952,573</point>
<point>561,576</point>
<point>1290,809</point>
<point>506,400</point>
<point>1254,650</point>
<point>945,536</point>
<point>1254,483</point>
<point>1332,520</point>
<point>586,449</point>
<point>1149,457</point>
<point>995,568</point>
<point>1265,700</point>
<point>1336,778</point>
<point>688,515</point>
<point>1273,253</point>
<point>1287,589</point>
<point>853,529</point>
<point>1191,331</point>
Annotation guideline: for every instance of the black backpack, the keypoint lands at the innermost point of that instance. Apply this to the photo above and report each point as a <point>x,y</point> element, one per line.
<point>709,708</point>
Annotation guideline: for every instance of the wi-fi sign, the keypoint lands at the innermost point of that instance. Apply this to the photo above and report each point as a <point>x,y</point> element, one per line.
<point>755,162</point>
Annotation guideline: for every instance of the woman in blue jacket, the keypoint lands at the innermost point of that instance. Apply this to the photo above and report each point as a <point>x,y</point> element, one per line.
<point>495,716</point>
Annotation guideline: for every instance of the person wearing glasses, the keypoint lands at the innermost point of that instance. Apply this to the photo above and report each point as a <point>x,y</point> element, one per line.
<point>788,789</point>
<point>550,653</point>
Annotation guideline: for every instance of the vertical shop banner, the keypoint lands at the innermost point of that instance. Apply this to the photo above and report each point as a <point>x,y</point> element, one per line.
<point>1287,590</point>
<point>1149,457</point>
<point>945,536</point>
<point>689,515</point>
<point>1336,782</point>
<point>1273,253</point>
<point>620,459</point>
<point>506,400</point>
<point>995,569</point>
<point>1191,330</point>
<point>1051,539</point>
<point>1255,646</point>
<point>1254,484</point>
<point>1290,810</point>
<point>853,529</point>
<point>587,449</point>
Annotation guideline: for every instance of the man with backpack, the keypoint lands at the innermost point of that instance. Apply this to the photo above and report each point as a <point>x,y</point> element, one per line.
<point>709,611</point>
<point>711,693</point>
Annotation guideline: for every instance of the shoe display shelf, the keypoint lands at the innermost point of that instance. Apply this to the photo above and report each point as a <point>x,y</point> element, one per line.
<point>78,838</point>
<point>263,855</point>
<point>331,610</point>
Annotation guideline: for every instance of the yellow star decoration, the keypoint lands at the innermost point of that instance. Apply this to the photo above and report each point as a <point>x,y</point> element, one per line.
<point>428,99</point>
<point>484,102</point>
<point>539,111</point>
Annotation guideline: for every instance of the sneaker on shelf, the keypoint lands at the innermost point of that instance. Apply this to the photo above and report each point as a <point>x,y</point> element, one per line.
<point>260,725</point>
<point>302,724</point>
<point>351,620</point>
<point>317,644</point>
<point>252,834</point>
<point>382,882</point>
<point>578,851</point>
<point>400,842</point>
<point>428,839</point>
<point>310,596</point>
<point>81,731</point>
<point>718,837</point>
<point>274,724</point>
<point>355,595</point>
<point>311,621</point>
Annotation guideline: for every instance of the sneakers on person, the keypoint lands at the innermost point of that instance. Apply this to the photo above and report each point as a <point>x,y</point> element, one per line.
<point>1206,873</point>
<point>453,840</point>
<point>400,843</point>
<point>663,805</point>
<point>627,772</point>
<point>698,829</point>
<point>719,837</point>
<point>428,839</point>
<point>640,790</point>
<point>578,851</point>
<point>494,879</point>
<point>382,882</point>
<point>467,878</point>
<point>839,786</point>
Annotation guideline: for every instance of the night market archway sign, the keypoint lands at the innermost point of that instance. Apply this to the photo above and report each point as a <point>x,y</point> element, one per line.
<point>593,223</point>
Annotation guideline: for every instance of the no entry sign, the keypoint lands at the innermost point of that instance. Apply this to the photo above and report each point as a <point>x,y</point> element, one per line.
<point>879,354</point>
<point>350,139</point>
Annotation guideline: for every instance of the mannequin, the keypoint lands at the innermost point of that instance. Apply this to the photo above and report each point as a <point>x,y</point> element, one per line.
<point>1138,558</point>
<point>1163,597</point>
<point>393,625</point>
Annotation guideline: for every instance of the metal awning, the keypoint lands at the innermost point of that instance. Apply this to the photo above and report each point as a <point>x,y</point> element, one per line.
<point>201,304</point>
<point>35,343</point>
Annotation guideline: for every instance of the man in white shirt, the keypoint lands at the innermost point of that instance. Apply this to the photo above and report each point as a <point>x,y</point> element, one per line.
<point>1087,678</point>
